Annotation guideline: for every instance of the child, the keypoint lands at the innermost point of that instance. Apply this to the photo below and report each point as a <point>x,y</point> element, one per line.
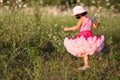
<point>85,43</point>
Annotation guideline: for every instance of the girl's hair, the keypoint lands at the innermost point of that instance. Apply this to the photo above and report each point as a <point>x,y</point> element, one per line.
<point>82,14</point>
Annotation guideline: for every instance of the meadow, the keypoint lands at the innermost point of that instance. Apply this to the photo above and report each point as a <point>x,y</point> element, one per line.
<point>31,48</point>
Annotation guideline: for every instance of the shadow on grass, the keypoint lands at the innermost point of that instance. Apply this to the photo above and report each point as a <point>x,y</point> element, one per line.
<point>48,47</point>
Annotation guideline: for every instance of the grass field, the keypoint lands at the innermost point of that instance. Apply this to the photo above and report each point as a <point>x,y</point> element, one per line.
<point>31,48</point>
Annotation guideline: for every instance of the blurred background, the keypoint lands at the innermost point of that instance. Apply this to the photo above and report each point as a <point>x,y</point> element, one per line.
<point>62,5</point>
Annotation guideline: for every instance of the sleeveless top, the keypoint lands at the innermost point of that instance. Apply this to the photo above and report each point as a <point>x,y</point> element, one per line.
<point>87,25</point>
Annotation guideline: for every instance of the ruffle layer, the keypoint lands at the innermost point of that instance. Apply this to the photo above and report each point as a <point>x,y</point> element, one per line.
<point>79,46</point>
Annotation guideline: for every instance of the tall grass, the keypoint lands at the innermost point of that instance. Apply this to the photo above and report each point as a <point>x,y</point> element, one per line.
<point>31,48</point>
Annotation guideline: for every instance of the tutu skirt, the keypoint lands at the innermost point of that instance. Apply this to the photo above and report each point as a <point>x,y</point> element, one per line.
<point>84,43</point>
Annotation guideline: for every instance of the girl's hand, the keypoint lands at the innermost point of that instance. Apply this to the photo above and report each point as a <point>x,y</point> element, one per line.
<point>66,29</point>
<point>95,25</point>
<point>98,23</point>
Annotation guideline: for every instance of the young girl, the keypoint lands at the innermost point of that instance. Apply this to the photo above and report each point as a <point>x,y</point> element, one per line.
<point>85,43</point>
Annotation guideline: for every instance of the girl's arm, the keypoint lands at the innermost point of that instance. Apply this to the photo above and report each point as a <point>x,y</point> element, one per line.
<point>74,27</point>
<point>96,25</point>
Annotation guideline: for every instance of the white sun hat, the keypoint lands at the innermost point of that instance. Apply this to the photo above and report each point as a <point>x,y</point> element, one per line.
<point>78,10</point>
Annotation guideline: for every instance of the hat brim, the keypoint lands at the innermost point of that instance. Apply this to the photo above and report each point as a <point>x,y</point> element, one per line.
<point>79,13</point>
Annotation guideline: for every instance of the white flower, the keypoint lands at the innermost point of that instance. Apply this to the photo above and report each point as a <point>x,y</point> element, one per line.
<point>25,5</point>
<point>108,4</point>
<point>107,0</point>
<point>93,1</point>
<point>1,1</point>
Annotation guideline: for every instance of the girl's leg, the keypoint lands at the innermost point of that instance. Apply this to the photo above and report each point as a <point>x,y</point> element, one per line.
<point>86,61</point>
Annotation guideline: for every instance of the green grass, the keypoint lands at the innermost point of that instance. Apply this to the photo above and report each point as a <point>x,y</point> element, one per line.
<point>31,48</point>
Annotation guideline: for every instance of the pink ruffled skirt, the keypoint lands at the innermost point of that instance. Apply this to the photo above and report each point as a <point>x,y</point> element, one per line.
<point>84,43</point>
